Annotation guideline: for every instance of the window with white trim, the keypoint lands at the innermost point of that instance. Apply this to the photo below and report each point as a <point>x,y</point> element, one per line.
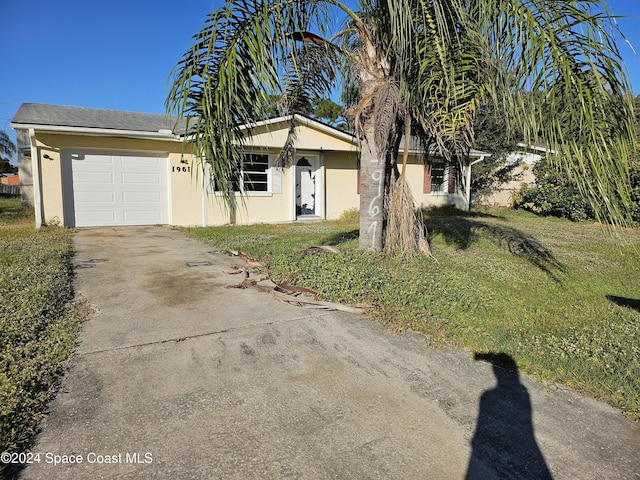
<point>255,173</point>
<point>258,176</point>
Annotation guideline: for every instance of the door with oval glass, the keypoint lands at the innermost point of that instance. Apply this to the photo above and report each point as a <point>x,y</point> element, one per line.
<point>307,186</point>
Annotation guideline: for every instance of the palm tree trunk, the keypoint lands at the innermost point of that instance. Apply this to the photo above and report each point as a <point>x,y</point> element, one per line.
<point>373,173</point>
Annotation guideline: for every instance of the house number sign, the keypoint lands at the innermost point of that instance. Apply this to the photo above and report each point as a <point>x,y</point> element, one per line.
<point>179,168</point>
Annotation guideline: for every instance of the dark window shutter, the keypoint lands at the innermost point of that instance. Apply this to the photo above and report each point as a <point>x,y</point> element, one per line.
<point>358,180</point>
<point>451,183</point>
<point>426,184</point>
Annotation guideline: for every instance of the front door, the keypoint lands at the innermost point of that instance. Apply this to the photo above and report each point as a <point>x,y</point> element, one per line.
<point>306,186</point>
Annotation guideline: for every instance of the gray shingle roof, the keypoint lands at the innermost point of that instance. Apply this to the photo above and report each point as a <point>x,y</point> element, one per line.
<point>416,146</point>
<point>80,117</point>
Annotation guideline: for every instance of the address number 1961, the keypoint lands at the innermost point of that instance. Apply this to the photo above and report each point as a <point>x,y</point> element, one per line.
<point>184,169</point>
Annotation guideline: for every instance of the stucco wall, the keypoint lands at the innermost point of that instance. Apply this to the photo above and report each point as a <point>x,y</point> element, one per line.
<point>342,183</point>
<point>338,176</point>
<point>415,179</point>
<point>504,195</point>
<point>252,208</point>
<point>275,135</point>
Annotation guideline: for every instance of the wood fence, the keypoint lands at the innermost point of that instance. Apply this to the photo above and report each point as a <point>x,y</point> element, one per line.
<point>9,189</point>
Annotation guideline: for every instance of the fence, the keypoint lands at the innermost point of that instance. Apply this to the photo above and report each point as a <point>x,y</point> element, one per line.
<point>9,189</point>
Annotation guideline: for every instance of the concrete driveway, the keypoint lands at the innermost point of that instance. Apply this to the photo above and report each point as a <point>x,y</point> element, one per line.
<point>177,377</point>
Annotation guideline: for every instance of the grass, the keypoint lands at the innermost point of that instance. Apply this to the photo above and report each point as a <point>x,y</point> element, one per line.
<point>561,298</point>
<point>38,320</point>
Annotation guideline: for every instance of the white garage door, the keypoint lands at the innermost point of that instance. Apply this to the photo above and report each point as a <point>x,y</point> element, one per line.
<point>107,189</point>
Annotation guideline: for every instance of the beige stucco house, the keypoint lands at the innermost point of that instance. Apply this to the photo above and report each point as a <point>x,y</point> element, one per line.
<point>522,162</point>
<point>85,167</point>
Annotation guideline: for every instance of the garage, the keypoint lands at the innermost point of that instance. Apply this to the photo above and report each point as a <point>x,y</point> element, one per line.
<point>114,188</point>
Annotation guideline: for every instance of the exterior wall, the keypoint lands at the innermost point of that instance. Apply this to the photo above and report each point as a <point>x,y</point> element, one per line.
<point>25,167</point>
<point>185,192</point>
<point>503,195</point>
<point>340,181</point>
<point>341,174</point>
<point>50,182</point>
<point>253,208</point>
<point>185,181</point>
<point>185,189</point>
<point>189,206</point>
<point>275,136</point>
<point>415,179</point>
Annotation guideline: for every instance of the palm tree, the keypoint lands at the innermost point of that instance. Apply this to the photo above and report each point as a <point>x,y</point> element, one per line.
<point>7,149</point>
<point>419,69</point>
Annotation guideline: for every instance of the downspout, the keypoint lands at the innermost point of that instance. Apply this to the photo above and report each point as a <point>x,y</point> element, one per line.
<point>323,187</point>
<point>35,166</point>
<point>468,185</point>
<point>205,208</point>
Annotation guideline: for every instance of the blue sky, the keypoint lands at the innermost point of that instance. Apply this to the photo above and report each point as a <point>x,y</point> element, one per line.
<point>118,54</point>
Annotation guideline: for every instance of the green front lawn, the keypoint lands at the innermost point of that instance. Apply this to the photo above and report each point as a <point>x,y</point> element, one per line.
<point>562,298</point>
<point>38,320</point>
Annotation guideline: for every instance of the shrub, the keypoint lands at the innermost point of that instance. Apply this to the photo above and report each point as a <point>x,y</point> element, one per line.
<point>350,215</point>
<point>558,196</point>
<point>554,195</point>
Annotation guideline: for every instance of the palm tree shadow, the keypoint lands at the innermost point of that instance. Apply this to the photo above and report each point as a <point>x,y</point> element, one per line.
<point>341,237</point>
<point>625,302</point>
<point>504,444</point>
<point>463,232</point>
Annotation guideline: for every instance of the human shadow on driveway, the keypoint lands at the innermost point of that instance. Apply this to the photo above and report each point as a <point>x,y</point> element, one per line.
<point>504,442</point>
<point>464,231</point>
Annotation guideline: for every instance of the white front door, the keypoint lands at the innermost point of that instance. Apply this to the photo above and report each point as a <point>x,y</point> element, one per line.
<point>306,186</point>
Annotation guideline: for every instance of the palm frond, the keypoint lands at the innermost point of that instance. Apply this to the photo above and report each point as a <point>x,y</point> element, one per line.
<point>7,147</point>
<point>308,74</point>
<point>245,53</point>
<point>566,51</point>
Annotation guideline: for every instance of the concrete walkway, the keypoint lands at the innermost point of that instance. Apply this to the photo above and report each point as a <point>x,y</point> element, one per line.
<point>176,377</point>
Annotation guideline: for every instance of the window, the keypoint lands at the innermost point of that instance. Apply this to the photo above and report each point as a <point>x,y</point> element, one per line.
<point>255,172</point>
<point>255,176</point>
<point>438,177</point>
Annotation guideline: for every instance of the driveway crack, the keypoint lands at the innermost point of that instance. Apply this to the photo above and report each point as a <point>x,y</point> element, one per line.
<point>199,335</point>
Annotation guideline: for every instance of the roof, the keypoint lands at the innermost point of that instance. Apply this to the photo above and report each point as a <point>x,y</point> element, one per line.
<point>65,118</point>
<point>46,115</point>
<point>415,146</point>
<point>538,148</point>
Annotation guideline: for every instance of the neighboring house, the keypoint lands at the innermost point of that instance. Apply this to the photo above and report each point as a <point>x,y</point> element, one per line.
<point>12,179</point>
<point>88,167</point>
<point>522,162</point>
<point>9,184</point>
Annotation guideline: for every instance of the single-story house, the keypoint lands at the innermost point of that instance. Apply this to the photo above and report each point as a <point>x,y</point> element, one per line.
<point>85,167</point>
<point>522,162</point>
<point>12,179</point>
